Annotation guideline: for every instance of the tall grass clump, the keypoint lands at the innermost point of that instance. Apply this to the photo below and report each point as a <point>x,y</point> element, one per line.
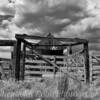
<point>68,88</point>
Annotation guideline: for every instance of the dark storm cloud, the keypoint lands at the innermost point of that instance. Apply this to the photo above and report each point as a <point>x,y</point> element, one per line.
<point>7,10</point>
<point>42,14</point>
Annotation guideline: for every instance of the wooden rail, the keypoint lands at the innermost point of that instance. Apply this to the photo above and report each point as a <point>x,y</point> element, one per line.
<point>40,66</point>
<point>7,42</point>
<point>19,36</point>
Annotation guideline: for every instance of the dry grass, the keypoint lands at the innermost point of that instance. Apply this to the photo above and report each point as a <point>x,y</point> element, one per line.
<point>48,89</point>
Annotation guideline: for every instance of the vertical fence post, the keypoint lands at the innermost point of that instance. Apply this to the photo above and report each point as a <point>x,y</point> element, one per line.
<point>70,49</point>
<point>87,66</point>
<point>13,62</point>
<point>18,53</point>
<point>91,66</point>
<point>23,62</point>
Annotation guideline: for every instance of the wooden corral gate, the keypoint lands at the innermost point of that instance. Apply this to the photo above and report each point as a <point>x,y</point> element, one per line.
<point>23,45</point>
<point>38,67</point>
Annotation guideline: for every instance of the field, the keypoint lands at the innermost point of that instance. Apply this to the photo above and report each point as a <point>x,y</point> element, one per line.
<point>58,88</point>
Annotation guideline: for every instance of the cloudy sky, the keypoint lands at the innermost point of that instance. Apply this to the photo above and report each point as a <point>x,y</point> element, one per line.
<point>63,18</point>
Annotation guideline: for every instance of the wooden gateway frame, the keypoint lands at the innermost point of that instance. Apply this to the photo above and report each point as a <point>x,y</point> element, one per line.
<point>19,72</point>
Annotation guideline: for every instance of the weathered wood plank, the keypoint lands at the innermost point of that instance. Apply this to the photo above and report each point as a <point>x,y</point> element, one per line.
<point>7,42</point>
<point>20,36</point>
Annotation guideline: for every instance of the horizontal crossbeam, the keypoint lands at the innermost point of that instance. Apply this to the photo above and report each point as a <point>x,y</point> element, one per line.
<point>20,36</point>
<point>61,45</point>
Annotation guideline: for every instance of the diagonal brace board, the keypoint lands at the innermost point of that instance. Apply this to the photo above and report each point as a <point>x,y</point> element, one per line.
<point>96,58</point>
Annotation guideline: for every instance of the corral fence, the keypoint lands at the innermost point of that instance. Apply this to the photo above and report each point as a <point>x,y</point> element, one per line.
<point>19,62</point>
<point>35,66</point>
<point>94,66</point>
<point>74,64</point>
<point>41,67</point>
<point>24,42</point>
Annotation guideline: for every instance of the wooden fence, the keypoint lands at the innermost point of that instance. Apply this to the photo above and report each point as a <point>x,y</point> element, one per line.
<point>41,67</point>
<point>94,66</point>
<point>38,67</point>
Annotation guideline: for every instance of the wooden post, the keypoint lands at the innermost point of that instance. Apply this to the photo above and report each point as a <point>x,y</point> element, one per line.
<point>87,66</point>
<point>91,66</point>
<point>13,60</point>
<point>55,70</point>
<point>18,53</point>
<point>23,61</point>
<point>70,49</point>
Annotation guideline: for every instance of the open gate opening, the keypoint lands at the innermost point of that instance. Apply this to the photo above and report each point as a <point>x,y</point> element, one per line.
<point>8,64</point>
<point>23,43</point>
